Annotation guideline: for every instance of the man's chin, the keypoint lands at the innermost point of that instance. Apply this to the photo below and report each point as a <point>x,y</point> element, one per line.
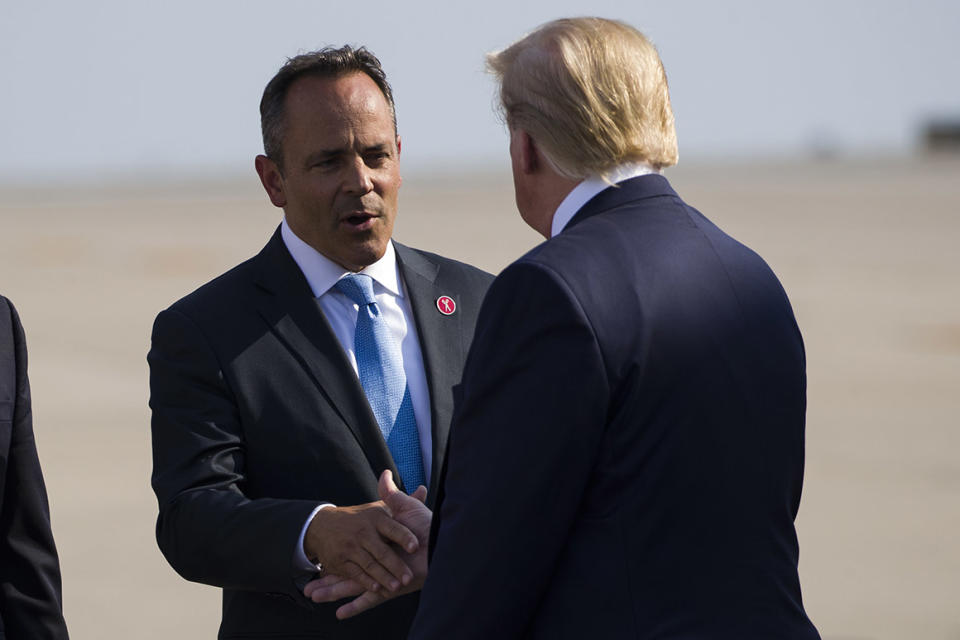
<point>364,254</point>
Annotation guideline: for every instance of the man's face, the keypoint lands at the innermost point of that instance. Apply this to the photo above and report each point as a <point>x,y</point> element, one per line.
<point>341,172</point>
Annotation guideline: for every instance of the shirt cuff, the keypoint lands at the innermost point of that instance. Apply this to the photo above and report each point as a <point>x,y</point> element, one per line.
<point>300,560</point>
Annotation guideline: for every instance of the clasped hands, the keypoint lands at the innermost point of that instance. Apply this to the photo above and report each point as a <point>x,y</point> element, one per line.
<point>376,551</point>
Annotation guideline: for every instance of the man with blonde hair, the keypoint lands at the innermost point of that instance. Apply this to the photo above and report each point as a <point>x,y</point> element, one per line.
<point>626,454</point>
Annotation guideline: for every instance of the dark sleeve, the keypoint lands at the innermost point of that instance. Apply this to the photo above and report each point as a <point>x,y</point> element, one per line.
<point>526,432</point>
<point>209,531</point>
<point>30,600</point>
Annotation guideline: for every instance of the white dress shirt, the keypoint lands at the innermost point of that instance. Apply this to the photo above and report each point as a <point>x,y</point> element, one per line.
<point>341,312</point>
<point>586,190</point>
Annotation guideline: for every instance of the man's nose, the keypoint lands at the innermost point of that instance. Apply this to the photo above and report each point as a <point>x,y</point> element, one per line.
<point>360,177</point>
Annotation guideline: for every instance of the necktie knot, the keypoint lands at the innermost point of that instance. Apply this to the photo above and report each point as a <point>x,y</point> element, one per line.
<point>358,287</point>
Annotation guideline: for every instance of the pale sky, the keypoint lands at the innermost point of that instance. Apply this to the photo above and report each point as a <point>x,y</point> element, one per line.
<point>100,88</point>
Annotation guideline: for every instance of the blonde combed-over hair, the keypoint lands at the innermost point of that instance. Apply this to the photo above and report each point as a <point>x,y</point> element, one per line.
<point>591,92</point>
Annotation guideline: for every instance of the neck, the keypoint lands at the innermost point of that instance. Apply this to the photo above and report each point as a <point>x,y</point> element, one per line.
<point>550,190</point>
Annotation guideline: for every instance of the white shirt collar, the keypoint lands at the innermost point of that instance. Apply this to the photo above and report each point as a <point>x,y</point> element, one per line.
<point>586,190</point>
<point>322,272</point>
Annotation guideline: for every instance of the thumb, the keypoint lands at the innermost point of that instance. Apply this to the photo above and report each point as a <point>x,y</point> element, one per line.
<point>386,487</point>
<point>420,494</point>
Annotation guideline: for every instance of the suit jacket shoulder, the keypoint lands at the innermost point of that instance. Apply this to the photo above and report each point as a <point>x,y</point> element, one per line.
<point>223,294</point>
<point>474,278</point>
<point>29,569</point>
<point>8,360</point>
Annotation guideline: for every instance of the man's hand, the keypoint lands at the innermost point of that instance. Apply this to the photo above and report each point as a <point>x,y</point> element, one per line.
<point>410,512</point>
<point>362,543</point>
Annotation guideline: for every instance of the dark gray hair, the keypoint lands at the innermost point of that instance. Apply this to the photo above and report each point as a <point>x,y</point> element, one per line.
<point>328,62</point>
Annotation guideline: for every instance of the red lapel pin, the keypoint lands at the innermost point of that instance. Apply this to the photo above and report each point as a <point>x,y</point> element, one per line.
<point>446,305</point>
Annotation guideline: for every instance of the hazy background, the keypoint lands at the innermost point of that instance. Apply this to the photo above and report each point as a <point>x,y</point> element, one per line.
<point>174,85</point>
<point>128,131</point>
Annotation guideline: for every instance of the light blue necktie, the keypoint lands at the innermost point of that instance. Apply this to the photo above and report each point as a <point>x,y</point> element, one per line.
<point>380,367</point>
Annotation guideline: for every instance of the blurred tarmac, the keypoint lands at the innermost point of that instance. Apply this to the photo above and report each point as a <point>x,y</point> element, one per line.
<point>866,249</point>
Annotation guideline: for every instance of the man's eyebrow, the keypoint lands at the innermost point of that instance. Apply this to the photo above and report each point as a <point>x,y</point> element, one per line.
<point>322,154</point>
<point>380,146</point>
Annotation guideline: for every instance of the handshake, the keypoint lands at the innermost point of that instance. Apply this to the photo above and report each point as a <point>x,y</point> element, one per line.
<point>375,551</point>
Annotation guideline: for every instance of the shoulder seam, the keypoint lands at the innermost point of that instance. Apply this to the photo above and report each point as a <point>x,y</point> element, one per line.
<point>558,277</point>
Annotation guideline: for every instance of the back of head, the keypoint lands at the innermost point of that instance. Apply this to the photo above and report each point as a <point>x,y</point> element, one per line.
<point>592,93</point>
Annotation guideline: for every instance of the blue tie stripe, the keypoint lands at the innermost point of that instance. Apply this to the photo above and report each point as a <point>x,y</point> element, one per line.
<point>380,368</point>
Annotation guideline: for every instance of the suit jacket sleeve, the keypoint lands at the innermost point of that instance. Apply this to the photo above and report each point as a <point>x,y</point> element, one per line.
<point>525,435</point>
<point>208,529</point>
<point>30,605</point>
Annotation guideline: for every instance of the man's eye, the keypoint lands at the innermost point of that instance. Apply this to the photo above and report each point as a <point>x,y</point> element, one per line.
<point>376,159</point>
<point>326,163</point>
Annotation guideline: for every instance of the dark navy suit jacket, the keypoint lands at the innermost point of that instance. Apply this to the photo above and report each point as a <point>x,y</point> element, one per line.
<point>29,570</point>
<point>626,455</point>
<point>258,416</point>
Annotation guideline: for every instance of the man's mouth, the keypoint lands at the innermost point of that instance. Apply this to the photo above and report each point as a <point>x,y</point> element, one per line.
<point>359,220</point>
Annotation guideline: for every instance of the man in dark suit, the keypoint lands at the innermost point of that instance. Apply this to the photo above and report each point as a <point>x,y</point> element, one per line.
<point>626,456</point>
<point>274,388</point>
<point>30,605</point>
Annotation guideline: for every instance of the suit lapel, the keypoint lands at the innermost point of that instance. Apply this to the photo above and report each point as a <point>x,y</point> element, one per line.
<point>440,344</point>
<point>288,306</point>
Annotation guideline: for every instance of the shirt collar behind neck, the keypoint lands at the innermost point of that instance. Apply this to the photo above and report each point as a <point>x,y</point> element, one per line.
<point>322,273</point>
<point>586,190</point>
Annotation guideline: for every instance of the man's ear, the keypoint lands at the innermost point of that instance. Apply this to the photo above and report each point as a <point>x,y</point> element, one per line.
<point>530,159</point>
<point>398,156</point>
<point>271,179</point>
